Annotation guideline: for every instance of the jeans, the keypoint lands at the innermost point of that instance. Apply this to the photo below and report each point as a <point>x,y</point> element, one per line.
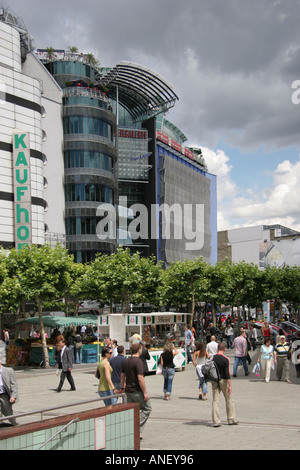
<point>237,359</point>
<point>117,386</point>
<point>229,341</point>
<point>72,349</point>
<point>202,383</point>
<point>107,393</point>
<point>168,375</point>
<point>78,355</point>
<point>188,354</point>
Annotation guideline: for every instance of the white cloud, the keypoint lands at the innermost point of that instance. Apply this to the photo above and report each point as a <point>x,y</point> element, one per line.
<point>242,207</point>
<point>277,204</point>
<point>218,164</point>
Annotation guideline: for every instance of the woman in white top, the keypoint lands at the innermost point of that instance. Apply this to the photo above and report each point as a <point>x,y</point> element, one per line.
<point>200,357</point>
<point>265,357</point>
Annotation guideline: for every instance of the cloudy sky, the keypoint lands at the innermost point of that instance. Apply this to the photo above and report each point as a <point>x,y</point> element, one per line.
<point>232,64</point>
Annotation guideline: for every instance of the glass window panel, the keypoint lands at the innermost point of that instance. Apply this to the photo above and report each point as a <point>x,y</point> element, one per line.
<point>102,161</point>
<point>86,159</point>
<point>92,160</point>
<point>97,159</point>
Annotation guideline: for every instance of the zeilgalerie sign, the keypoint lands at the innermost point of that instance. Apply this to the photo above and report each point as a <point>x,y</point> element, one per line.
<point>22,189</point>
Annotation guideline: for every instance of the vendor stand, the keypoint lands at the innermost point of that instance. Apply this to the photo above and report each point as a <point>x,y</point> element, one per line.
<point>31,350</point>
<point>155,328</point>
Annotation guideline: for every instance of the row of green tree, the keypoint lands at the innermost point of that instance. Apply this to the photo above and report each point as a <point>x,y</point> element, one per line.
<point>48,277</point>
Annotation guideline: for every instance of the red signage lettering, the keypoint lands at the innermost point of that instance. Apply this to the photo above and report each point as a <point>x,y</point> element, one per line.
<point>132,133</point>
<point>175,145</point>
<point>188,153</point>
<point>164,138</point>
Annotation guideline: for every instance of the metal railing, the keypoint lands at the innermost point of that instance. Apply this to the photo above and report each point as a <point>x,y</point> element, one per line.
<point>47,410</point>
<point>58,432</point>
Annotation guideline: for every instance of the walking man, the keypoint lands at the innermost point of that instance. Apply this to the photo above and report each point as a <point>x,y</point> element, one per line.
<point>8,392</point>
<point>212,347</point>
<point>282,357</point>
<point>65,363</point>
<point>240,353</point>
<point>189,338</point>
<point>133,382</point>
<point>116,364</point>
<point>253,337</point>
<point>224,386</point>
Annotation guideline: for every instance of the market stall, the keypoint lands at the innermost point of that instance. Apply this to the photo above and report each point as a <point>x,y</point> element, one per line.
<point>29,347</point>
<point>155,328</point>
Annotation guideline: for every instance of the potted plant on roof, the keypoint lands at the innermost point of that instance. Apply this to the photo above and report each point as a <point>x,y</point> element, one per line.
<point>50,52</point>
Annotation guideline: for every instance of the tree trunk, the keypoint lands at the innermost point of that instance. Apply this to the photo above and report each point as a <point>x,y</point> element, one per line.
<point>239,318</point>
<point>192,302</point>
<point>42,333</point>
<point>213,311</point>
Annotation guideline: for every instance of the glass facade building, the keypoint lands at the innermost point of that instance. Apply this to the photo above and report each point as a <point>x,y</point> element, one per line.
<point>99,136</point>
<point>90,156</point>
<point>120,150</point>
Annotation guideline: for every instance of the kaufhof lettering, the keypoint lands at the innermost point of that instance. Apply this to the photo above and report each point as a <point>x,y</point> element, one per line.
<point>22,189</point>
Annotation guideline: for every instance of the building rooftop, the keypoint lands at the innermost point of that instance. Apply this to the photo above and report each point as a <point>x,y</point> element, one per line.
<point>143,92</point>
<point>8,16</point>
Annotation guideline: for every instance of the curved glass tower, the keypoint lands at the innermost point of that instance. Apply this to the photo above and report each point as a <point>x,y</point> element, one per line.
<point>90,155</point>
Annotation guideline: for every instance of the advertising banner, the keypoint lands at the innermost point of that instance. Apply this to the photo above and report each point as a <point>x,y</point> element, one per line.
<point>22,189</point>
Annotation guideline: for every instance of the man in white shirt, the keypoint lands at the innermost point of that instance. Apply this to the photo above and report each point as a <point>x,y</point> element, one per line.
<point>212,347</point>
<point>253,337</point>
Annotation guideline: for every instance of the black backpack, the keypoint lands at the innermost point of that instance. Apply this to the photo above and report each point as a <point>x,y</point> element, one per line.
<point>211,372</point>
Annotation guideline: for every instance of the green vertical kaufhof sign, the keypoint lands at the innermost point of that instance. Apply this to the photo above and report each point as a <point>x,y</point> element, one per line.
<point>22,189</point>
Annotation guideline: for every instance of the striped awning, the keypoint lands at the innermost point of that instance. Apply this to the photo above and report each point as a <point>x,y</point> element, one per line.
<point>61,322</point>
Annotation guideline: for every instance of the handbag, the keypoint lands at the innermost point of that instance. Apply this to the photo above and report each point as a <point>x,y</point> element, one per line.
<point>159,369</point>
<point>78,345</point>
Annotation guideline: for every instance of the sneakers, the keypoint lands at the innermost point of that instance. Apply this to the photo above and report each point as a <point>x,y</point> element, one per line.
<point>232,423</point>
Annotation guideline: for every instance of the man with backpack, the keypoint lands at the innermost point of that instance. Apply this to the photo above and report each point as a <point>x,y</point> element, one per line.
<point>222,385</point>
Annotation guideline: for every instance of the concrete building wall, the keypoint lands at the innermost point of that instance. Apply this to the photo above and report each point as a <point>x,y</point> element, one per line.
<point>52,146</point>
<point>20,109</point>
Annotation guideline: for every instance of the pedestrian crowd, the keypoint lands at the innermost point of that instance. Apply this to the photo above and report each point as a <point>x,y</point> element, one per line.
<point>125,376</point>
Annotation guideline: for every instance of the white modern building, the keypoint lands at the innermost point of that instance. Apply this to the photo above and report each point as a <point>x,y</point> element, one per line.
<point>30,136</point>
<point>263,245</point>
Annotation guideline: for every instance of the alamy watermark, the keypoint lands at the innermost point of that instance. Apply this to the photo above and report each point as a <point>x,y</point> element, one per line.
<point>178,221</point>
<point>296,95</point>
<point>296,353</point>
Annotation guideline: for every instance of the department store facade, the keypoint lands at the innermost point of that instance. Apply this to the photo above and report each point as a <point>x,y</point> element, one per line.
<point>96,136</point>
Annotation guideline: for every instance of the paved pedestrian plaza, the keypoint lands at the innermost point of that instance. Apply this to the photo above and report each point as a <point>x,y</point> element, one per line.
<point>268,413</point>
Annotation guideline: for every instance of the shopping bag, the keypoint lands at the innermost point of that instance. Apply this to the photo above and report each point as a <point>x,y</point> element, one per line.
<point>159,370</point>
<point>256,369</point>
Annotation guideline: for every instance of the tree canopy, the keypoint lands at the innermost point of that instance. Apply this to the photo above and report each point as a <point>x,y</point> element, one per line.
<point>48,276</point>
